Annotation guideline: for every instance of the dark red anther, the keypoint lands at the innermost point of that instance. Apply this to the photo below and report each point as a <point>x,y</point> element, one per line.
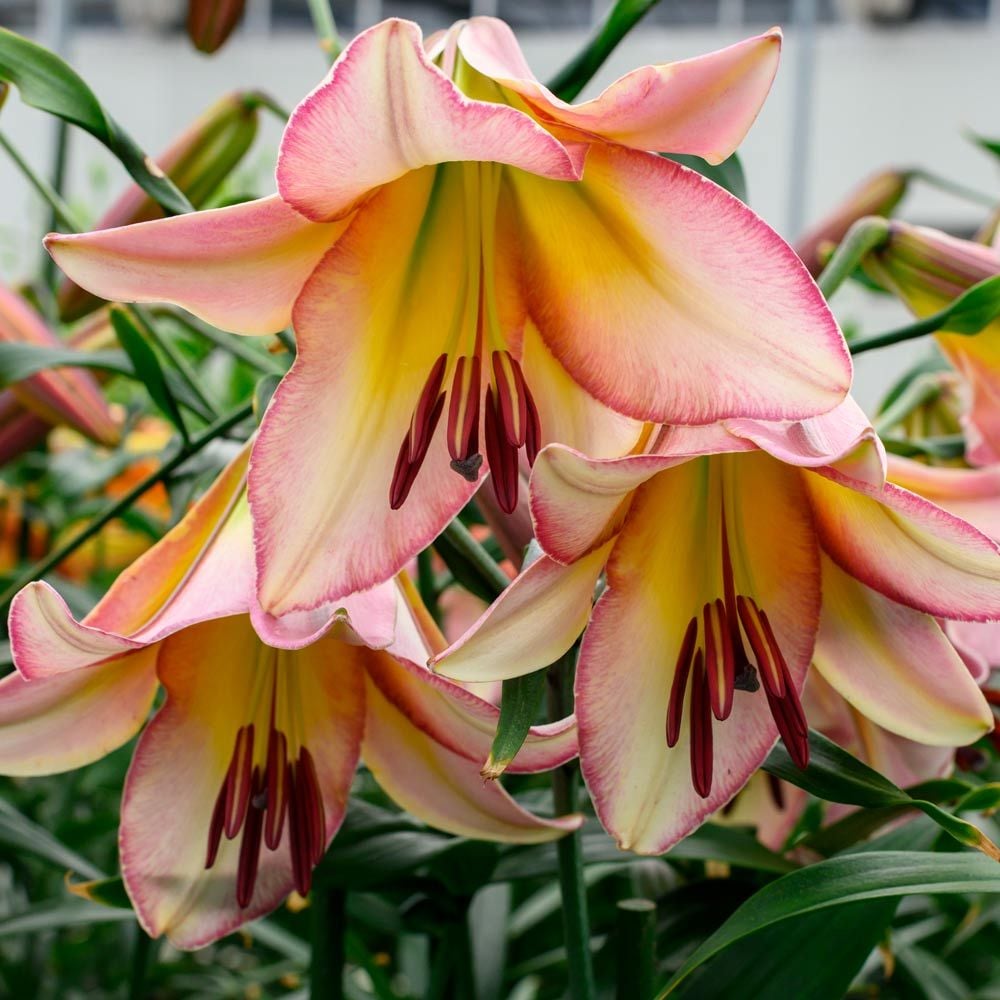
<point>423,423</point>
<point>314,800</point>
<point>249,860</point>
<point>791,722</point>
<point>502,456</point>
<point>702,757</point>
<point>719,662</point>
<point>761,638</point>
<point>238,781</point>
<point>512,401</point>
<point>306,821</point>
<point>675,704</point>
<point>277,788</point>
<point>215,827</point>
<point>777,790</point>
<point>463,418</point>
<point>533,439</point>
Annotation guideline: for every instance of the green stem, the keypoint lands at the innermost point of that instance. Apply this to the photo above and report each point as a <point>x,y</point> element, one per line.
<point>955,188</point>
<point>427,584</point>
<point>492,575</point>
<point>199,441</point>
<point>260,99</point>
<point>636,944</point>
<point>141,954</point>
<point>60,210</point>
<point>864,236</point>
<point>579,71</point>
<point>327,927</point>
<point>911,331</point>
<point>184,369</point>
<point>916,394</point>
<point>569,849</point>
<point>58,181</point>
<point>325,27</point>
<point>227,341</point>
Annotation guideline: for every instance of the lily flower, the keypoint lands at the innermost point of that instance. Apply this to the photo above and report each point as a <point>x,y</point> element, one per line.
<point>241,779</point>
<point>735,556</point>
<point>476,268</point>
<point>57,396</point>
<point>928,269</point>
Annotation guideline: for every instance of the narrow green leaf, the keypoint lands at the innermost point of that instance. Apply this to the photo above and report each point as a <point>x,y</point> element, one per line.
<point>45,82</point>
<point>973,309</point>
<point>990,145</point>
<point>262,393</point>
<point>843,880</point>
<point>931,976</point>
<point>20,361</point>
<point>16,830</point>
<point>519,701</point>
<point>147,367</point>
<point>54,914</point>
<point>728,174</point>
<point>106,891</point>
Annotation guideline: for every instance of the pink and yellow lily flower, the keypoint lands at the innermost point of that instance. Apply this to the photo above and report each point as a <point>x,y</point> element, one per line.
<point>736,555</point>
<point>475,267</point>
<point>241,779</point>
<point>928,269</point>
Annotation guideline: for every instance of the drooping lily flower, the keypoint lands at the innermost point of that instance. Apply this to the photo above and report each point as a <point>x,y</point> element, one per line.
<point>242,777</point>
<point>928,269</point>
<point>735,555</point>
<point>61,395</point>
<point>474,267</point>
<point>974,495</point>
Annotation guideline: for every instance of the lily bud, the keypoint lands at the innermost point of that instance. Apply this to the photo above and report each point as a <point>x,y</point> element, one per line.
<point>61,395</point>
<point>211,22</point>
<point>878,195</point>
<point>198,161</point>
<point>927,269</point>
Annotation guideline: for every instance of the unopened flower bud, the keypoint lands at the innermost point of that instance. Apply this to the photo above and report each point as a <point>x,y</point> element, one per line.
<point>211,22</point>
<point>198,161</point>
<point>878,195</point>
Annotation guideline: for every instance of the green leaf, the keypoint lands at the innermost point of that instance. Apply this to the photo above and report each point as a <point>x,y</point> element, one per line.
<point>843,880</point>
<point>824,949</point>
<point>577,73</point>
<point>262,393</point>
<point>49,84</point>
<point>947,446</point>
<point>147,367</point>
<point>837,776</point>
<point>519,701</point>
<point>990,145</point>
<point>53,914</point>
<point>973,309</point>
<point>106,891</point>
<point>932,977</point>
<point>17,831</point>
<point>728,174</point>
<point>20,361</point>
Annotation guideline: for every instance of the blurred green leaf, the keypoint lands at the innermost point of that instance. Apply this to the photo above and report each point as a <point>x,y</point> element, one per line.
<point>17,831</point>
<point>990,145</point>
<point>262,393</point>
<point>728,174</point>
<point>106,891</point>
<point>931,977</point>
<point>45,82</point>
<point>519,703</point>
<point>843,880</point>
<point>53,914</point>
<point>19,361</point>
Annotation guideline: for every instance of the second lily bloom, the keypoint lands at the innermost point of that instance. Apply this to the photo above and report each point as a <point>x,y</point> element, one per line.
<point>475,268</point>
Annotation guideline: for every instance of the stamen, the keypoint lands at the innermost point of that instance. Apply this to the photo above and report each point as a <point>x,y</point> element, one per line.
<point>675,704</point>
<point>511,397</point>
<point>277,788</point>
<point>719,658</point>
<point>463,418</point>
<point>502,456</point>
<point>238,781</point>
<point>533,438</point>
<point>423,423</point>
<point>701,729</point>
<point>757,630</point>
<point>215,827</point>
<point>777,790</point>
<point>791,722</point>
<point>306,821</point>
<point>249,860</point>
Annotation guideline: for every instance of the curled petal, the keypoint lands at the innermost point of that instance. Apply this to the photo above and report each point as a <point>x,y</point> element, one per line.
<point>704,105</point>
<point>463,722</point>
<point>239,268</point>
<point>441,787</point>
<point>896,666</point>
<point>63,721</point>
<point>669,300</point>
<point>530,625</point>
<point>385,109</point>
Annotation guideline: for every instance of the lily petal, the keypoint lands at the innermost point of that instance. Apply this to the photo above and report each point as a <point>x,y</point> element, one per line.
<point>658,577</point>
<point>530,625</point>
<point>713,315</point>
<point>907,548</point>
<point>63,721</point>
<point>371,323</point>
<point>463,722</point>
<point>385,109</point>
<point>239,268</point>
<point>978,643</point>
<point>896,666</point>
<point>182,759</point>
<point>703,106</point>
<point>438,785</point>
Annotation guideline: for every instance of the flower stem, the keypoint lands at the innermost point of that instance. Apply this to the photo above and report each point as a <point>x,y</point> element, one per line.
<point>955,188</point>
<point>911,331</point>
<point>328,924</point>
<point>569,849</point>
<point>141,954</point>
<point>220,427</point>
<point>864,236</point>
<point>60,210</point>
<point>491,575</point>
<point>635,936</point>
<point>325,27</point>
